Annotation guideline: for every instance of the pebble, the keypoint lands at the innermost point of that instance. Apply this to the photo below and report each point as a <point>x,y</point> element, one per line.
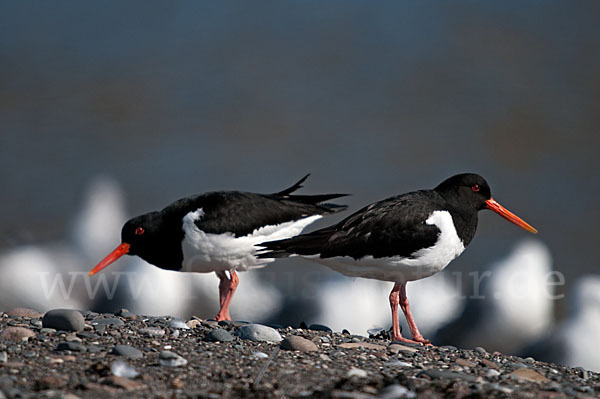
<point>465,363</point>
<point>524,374</point>
<point>258,332</point>
<point>365,345</point>
<point>481,350</point>
<point>25,313</point>
<point>219,335</point>
<point>122,369</point>
<point>71,346</point>
<point>320,327</point>
<point>151,332</point>
<point>397,363</point>
<point>125,383</point>
<point>193,323</point>
<point>297,343</point>
<point>492,373</point>
<point>126,314</point>
<point>3,357</point>
<point>127,351</point>
<point>489,364</point>
<point>259,355</point>
<point>171,359</point>
<point>64,319</point>
<point>87,335</point>
<point>447,374</point>
<point>111,321</point>
<point>47,331</point>
<point>17,334</point>
<point>396,391</point>
<point>395,348</point>
<point>178,323</point>
<point>355,372</point>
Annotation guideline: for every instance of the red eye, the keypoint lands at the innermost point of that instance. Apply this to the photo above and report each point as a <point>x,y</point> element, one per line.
<point>139,231</point>
<point>475,187</point>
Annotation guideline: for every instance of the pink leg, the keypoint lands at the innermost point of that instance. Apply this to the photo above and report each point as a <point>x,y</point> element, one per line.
<point>414,331</point>
<point>227,288</point>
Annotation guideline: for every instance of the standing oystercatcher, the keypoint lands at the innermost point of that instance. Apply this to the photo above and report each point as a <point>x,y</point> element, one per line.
<point>217,232</point>
<point>400,239</point>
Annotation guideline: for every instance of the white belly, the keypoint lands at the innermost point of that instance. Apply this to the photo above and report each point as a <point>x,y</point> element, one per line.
<point>423,263</point>
<point>205,252</point>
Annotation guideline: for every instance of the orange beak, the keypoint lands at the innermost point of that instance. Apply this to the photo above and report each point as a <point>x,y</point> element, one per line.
<point>508,215</point>
<point>113,256</point>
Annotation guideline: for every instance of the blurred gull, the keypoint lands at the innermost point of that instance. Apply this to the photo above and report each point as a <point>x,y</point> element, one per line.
<point>514,306</point>
<point>572,342</point>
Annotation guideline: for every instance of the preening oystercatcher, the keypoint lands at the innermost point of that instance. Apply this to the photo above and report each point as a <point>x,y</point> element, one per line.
<point>400,239</point>
<point>217,232</point>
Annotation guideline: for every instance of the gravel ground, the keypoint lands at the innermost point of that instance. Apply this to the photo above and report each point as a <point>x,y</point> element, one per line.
<point>131,356</point>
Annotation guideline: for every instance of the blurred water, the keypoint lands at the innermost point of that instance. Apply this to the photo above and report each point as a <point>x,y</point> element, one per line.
<point>375,99</point>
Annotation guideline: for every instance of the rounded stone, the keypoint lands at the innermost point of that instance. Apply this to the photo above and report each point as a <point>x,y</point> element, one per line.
<point>320,327</point>
<point>25,313</point>
<point>219,335</point>
<point>171,359</point>
<point>17,334</point>
<point>64,319</point>
<point>178,323</point>
<point>127,351</point>
<point>71,346</point>
<point>111,321</point>
<point>297,343</point>
<point>258,332</point>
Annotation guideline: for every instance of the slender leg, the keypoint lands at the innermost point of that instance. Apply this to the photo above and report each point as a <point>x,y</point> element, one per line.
<point>414,331</point>
<point>227,287</point>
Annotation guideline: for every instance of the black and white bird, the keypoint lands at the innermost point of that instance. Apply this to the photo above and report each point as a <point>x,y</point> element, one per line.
<point>400,239</point>
<point>217,232</point>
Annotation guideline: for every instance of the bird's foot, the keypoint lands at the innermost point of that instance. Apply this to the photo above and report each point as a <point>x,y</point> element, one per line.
<point>223,316</point>
<point>416,340</point>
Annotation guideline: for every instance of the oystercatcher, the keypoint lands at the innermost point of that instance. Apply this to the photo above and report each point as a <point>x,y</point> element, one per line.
<point>217,232</point>
<point>400,239</point>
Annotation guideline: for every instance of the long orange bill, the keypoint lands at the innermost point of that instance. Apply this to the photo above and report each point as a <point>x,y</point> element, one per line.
<point>113,256</point>
<point>508,215</point>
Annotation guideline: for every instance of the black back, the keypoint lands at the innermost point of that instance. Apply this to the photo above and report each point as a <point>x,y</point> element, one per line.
<point>394,226</point>
<point>234,212</point>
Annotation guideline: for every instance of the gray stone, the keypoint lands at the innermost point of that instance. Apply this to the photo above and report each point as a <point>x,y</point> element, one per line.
<point>47,331</point>
<point>64,319</point>
<point>479,349</point>
<point>87,335</point>
<point>297,343</point>
<point>152,332</point>
<point>171,359</point>
<point>71,346</point>
<point>219,335</point>
<point>127,351</point>
<point>3,357</point>
<point>258,332</point>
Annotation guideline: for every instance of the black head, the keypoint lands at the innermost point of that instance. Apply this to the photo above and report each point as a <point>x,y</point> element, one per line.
<point>466,190</point>
<point>470,191</point>
<point>140,232</point>
<point>152,238</point>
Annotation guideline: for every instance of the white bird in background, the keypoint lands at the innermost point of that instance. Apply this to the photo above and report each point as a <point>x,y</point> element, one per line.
<point>352,304</point>
<point>515,303</point>
<point>571,342</point>
<point>55,275</point>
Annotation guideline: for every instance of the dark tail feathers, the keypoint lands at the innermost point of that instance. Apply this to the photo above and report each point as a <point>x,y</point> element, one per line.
<point>304,244</point>
<point>317,199</point>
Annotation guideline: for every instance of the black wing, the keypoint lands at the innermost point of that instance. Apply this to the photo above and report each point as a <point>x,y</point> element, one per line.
<point>394,226</point>
<point>241,213</point>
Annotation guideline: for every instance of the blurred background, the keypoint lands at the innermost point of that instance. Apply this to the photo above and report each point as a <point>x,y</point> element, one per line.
<point>111,110</point>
